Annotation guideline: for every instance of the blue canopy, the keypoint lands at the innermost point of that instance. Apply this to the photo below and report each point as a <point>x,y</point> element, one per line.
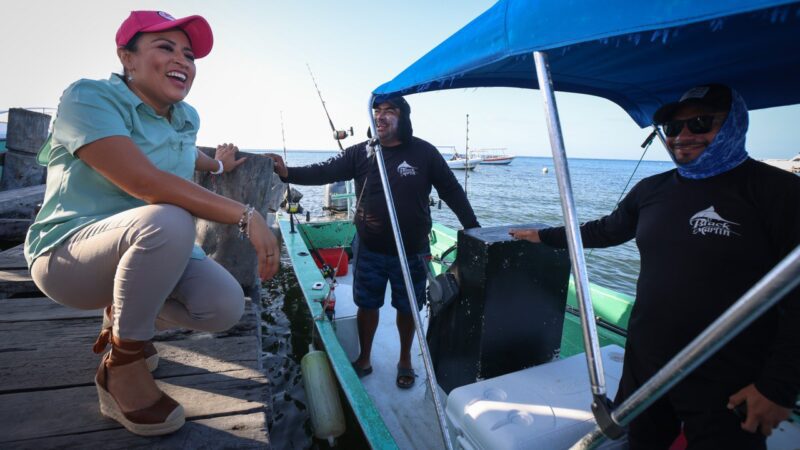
<point>638,54</point>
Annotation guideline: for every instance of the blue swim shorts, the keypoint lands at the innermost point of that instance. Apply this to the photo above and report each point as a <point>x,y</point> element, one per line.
<point>372,270</point>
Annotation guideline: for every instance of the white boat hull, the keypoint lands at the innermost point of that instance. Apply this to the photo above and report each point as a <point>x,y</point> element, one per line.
<point>463,164</point>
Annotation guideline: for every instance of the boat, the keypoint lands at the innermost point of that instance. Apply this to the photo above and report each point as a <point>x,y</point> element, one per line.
<point>458,161</point>
<point>556,403</point>
<point>3,131</point>
<point>387,417</point>
<point>3,128</point>
<point>494,156</point>
<point>792,165</point>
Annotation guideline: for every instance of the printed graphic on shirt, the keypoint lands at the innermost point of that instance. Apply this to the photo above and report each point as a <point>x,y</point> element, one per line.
<point>406,169</point>
<point>708,222</point>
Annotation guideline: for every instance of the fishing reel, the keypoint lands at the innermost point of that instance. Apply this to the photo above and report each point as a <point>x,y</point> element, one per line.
<point>342,134</point>
<point>293,208</point>
<point>328,273</point>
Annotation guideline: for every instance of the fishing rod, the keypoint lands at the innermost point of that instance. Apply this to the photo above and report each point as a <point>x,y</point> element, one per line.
<point>646,146</point>
<point>338,135</point>
<point>291,207</point>
<point>466,161</point>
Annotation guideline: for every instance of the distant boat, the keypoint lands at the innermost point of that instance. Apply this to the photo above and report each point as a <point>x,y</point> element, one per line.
<point>458,161</point>
<point>494,156</point>
<point>3,126</point>
<point>792,165</point>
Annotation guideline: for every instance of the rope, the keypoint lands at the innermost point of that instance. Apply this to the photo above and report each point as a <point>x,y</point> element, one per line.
<point>646,146</point>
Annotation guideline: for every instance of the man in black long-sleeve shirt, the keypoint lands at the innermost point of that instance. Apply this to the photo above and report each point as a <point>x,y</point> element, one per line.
<point>707,232</point>
<point>413,166</point>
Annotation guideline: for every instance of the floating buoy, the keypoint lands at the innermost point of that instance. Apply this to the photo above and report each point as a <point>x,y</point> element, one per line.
<point>324,405</point>
<point>544,170</point>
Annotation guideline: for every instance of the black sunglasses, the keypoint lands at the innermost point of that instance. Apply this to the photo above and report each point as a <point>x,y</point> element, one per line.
<point>697,125</point>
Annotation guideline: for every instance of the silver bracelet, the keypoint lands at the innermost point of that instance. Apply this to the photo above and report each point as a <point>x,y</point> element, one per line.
<point>220,169</point>
<point>244,221</point>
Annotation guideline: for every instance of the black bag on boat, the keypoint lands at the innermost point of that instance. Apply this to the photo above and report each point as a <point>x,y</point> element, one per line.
<point>509,311</point>
<point>442,291</point>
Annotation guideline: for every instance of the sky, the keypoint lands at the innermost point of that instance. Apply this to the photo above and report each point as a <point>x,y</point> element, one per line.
<point>258,71</point>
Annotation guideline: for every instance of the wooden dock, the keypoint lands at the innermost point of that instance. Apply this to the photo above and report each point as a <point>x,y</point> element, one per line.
<point>47,393</point>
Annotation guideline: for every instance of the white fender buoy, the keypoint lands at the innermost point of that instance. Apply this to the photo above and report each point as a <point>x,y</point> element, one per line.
<point>324,405</point>
<point>544,170</point>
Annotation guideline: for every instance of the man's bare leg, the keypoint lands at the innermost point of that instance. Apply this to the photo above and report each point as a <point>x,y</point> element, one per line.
<point>405,327</point>
<point>367,321</point>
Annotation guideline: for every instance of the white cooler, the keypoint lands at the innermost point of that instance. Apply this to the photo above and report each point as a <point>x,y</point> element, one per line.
<point>542,407</point>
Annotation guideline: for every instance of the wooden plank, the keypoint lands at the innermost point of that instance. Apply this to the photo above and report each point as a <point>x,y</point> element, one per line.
<point>41,308</point>
<point>240,431</point>
<point>74,410</point>
<point>27,130</point>
<point>31,368</point>
<point>14,229</point>
<point>21,203</point>
<point>28,356</point>
<point>43,333</point>
<point>20,169</point>
<point>13,258</point>
<point>15,282</point>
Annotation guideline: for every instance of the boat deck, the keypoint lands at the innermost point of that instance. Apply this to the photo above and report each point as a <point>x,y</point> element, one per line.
<point>47,393</point>
<point>409,414</point>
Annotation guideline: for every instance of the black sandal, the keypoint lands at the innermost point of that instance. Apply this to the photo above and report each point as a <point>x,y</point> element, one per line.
<point>406,373</point>
<point>361,372</point>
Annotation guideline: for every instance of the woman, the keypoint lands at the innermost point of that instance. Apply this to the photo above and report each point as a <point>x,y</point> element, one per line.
<point>116,228</point>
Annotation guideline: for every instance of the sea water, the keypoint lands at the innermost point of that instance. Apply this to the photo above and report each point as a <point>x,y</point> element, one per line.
<point>522,192</point>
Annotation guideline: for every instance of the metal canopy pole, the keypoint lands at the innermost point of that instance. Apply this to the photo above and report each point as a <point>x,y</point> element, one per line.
<point>412,297</point>
<point>590,339</point>
<point>784,277</point>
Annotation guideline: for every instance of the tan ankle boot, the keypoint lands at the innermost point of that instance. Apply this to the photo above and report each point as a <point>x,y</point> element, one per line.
<point>164,416</point>
<point>150,352</point>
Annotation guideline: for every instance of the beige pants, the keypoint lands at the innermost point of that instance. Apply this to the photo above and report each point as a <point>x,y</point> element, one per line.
<point>138,260</point>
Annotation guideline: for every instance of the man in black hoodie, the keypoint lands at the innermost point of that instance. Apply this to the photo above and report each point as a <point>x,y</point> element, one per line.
<point>413,166</point>
<point>707,231</point>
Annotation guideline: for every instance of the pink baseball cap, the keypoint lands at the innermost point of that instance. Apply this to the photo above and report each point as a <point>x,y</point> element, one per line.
<point>195,27</point>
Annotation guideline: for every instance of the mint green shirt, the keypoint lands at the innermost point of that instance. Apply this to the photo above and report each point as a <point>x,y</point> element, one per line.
<point>76,195</point>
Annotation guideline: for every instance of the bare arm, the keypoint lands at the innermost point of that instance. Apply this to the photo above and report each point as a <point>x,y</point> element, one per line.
<point>336,168</point>
<point>120,161</point>
<point>279,166</point>
<point>225,153</point>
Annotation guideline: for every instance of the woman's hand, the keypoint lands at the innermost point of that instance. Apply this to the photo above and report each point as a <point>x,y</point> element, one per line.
<point>266,245</point>
<point>226,153</point>
<point>280,166</point>
<point>529,234</point>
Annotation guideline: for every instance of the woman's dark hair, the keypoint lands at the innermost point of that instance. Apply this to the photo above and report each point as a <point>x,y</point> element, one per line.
<point>132,46</point>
